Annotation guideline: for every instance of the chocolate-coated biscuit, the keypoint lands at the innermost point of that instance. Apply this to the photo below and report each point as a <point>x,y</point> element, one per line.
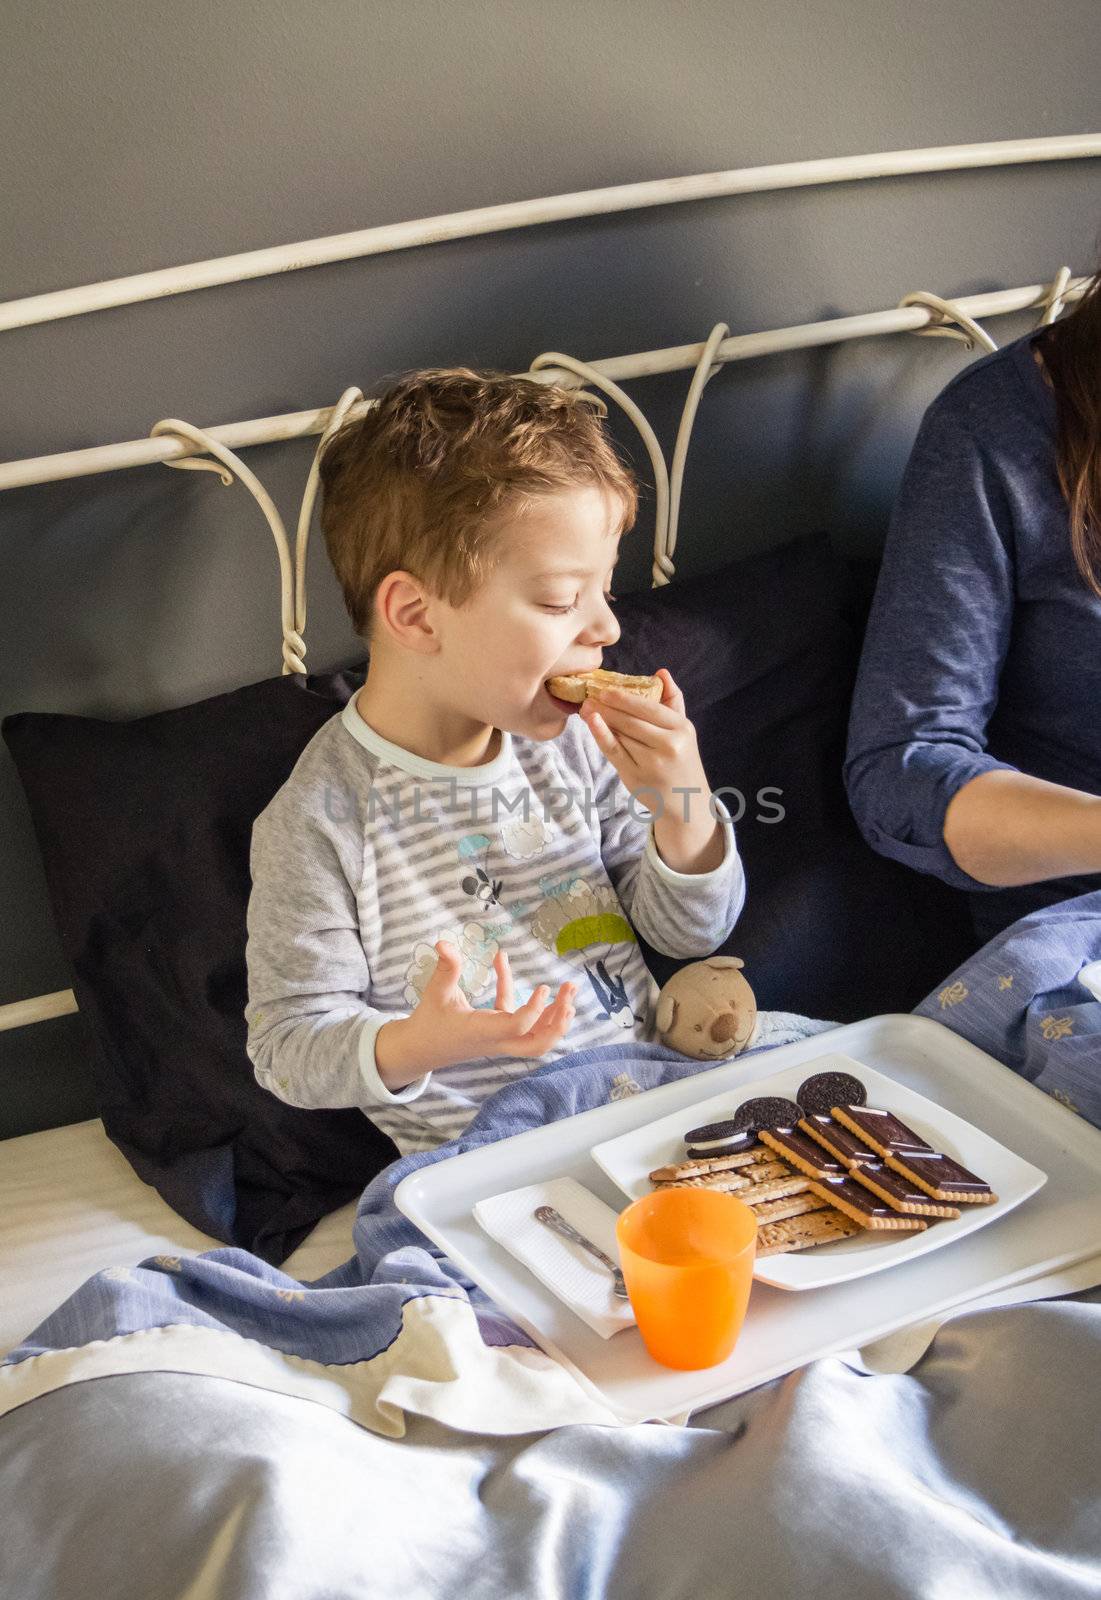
<point>863,1206</point>
<point>899,1192</point>
<point>886,1133</point>
<point>835,1139</point>
<point>942,1178</point>
<point>802,1152</point>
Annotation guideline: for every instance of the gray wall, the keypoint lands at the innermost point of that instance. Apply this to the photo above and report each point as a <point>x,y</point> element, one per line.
<point>137,137</point>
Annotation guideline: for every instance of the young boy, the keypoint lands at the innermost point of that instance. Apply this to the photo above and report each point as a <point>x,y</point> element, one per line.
<point>455,839</point>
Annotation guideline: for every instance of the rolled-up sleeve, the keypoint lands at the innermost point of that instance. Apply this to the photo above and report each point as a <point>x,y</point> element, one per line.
<point>936,640</point>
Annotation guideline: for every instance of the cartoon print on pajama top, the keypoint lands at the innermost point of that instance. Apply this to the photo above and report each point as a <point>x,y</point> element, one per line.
<point>574,921</point>
<point>586,925</point>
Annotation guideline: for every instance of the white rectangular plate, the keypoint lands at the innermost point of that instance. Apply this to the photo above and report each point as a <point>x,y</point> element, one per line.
<point>1061,1223</point>
<point>629,1159</point>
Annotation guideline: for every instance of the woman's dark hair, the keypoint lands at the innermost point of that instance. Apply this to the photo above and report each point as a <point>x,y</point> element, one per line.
<point>1071,348</point>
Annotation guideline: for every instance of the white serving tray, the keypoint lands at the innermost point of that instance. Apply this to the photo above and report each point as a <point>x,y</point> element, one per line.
<point>1059,1225</point>
<point>629,1159</point>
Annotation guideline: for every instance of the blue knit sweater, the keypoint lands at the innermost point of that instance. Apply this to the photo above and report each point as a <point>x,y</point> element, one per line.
<point>983,647</point>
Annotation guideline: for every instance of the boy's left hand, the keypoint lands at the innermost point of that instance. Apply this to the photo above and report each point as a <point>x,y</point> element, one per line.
<point>650,743</point>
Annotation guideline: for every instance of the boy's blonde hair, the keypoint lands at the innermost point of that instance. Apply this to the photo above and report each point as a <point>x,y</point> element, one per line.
<point>419,482</point>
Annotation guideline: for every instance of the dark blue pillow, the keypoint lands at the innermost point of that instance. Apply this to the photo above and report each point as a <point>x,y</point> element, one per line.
<point>144,829</point>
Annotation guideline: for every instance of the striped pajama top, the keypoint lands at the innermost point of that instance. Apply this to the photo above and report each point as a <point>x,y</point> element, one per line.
<point>369,854</point>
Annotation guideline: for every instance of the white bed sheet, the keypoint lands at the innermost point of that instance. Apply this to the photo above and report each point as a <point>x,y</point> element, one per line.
<point>70,1205</point>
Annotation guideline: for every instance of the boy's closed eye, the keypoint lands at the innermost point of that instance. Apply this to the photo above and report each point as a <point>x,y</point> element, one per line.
<point>563,610</point>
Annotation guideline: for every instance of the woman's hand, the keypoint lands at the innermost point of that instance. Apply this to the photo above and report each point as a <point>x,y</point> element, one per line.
<point>446,1029</point>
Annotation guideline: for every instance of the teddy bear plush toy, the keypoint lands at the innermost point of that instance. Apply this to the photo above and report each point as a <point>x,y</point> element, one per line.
<point>707,1010</point>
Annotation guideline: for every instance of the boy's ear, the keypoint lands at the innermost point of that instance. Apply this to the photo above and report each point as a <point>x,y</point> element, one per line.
<point>402,609</point>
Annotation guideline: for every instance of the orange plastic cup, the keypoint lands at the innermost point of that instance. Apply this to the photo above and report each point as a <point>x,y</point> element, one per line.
<point>687,1257</point>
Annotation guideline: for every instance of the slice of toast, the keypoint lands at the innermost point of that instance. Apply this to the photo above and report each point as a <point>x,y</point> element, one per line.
<point>575,686</point>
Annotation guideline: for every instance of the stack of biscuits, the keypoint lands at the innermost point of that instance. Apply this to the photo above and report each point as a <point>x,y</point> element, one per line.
<point>824,1168</point>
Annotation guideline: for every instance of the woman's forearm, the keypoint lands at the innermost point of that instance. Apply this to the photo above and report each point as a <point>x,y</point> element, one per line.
<point>1006,828</point>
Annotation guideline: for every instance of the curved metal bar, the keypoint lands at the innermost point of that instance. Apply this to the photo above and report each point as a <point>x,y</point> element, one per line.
<point>942,314</point>
<point>294,646</point>
<point>348,399</point>
<point>528,213</point>
<point>704,372</point>
<point>554,358</point>
<point>1056,297</point>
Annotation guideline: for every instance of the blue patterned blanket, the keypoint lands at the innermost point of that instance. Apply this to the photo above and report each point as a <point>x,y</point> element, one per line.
<point>1021,1000</point>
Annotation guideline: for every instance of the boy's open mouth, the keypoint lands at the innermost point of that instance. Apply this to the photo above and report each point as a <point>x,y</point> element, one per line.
<point>560,705</point>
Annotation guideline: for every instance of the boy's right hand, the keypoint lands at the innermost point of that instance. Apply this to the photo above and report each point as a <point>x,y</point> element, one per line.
<point>445,1028</point>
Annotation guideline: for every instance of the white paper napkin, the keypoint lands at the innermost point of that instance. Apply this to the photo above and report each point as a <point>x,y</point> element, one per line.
<point>568,1271</point>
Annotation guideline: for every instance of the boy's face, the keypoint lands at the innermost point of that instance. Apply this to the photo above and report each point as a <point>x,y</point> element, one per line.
<point>542,611</point>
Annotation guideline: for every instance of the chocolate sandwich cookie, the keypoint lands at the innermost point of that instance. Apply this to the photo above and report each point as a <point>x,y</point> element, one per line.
<point>804,1232</point>
<point>886,1133</point>
<point>717,1139</point>
<point>767,1111</point>
<point>859,1203</point>
<point>938,1175</point>
<point>900,1192</point>
<point>827,1089</point>
<point>803,1152</point>
<point>836,1140</point>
